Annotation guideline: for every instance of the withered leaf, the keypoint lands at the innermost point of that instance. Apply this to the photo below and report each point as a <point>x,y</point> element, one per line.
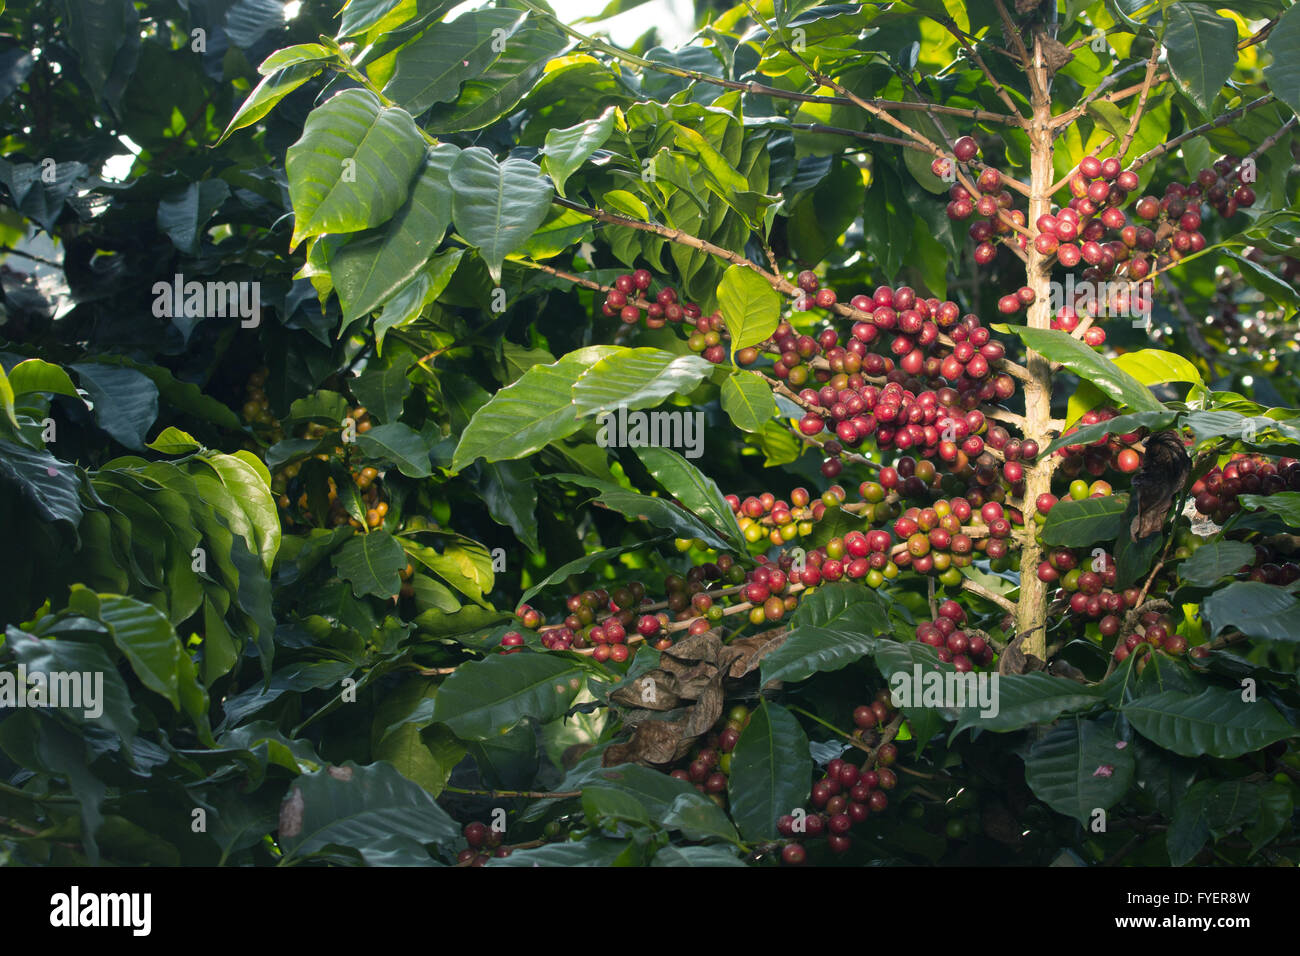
<point>1164,471</point>
<point>748,652</point>
<point>291,811</point>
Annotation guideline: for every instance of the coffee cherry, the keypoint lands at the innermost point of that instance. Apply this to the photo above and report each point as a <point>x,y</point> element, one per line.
<point>965,149</point>
<point>793,854</point>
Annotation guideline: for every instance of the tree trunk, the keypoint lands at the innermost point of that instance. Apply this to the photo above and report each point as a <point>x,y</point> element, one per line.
<point>1031,612</point>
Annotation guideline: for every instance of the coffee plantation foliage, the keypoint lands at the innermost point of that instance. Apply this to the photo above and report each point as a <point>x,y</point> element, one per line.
<point>306,448</point>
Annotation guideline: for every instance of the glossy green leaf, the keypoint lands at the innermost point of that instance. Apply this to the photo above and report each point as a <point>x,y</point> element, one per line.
<point>1214,560</point>
<point>748,401</point>
<point>1216,722</point>
<point>373,810</point>
<point>1256,609</point>
<point>750,307</point>
<point>1202,50</point>
<point>835,626</point>
<point>528,414</point>
<point>496,206</point>
<point>1080,767</point>
<point>567,149</point>
<point>352,167</point>
<point>1076,523</point>
<point>373,267</point>
<point>484,699</point>
<point>399,444</point>
<point>1091,367</point>
<point>770,771</point>
<point>372,563</point>
<point>638,378</point>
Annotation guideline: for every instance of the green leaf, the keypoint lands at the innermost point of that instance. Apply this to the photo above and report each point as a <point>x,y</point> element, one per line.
<point>251,512</point>
<point>888,236</point>
<point>748,401</point>
<point>298,53</point>
<point>466,567</point>
<point>710,856</point>
<point>270,91</point>
<point>696,490</point>
<point>372,563</point>
<point>1078,768</point>
<point>383,391</point>
<point>431,68</point>
<point>496,206</point>
<point>97,31</point>
<point>567,149</point>
<point>1284,504</point>
<point>1254,608</point>
<point>126,402</point>
<point>51,485</point>
<point>1283,74</point>
<point>1076,523</point>
<point>657,511</point>
<point>587,852</point>
<point>371,809</point>
<point>750,307</point>
<point>487,97</point>
<point>671,803</point>
<point>578,565</point>
<point>1058,346</point>
<point>486,698</point>
<point>637,378</point>
<point>37,375</point>
<point>770,771</point>
<point>1024,699</point>
<point>351,168</point>
<point>372,268</point>
<point>173,441</point>
<point>529,414</point>
<point>1152,366</point>
<point>61,657</point>
<point>836,625</point>
<point>1215,722</point>
<point>510,492</point>
<point>1276,807</point>
<point>141,632</point>
<point>1119,425</point>
<point>1211,807</point>
<point>1214,560</point>
<point>778,445</point>
<point>183,216</point>
<point>1266,282</point>
<point>1202,49</point>
<point>399,444</point>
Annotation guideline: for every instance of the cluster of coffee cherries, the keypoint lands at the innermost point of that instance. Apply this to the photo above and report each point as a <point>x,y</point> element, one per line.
<point>1272,565</point>
<point>257,408</point>
<point>847,795</point>
<point>898,342</point>
<point>1153,629</point>
<point>1216,493</point>
<point>585,626</point>
<point>990,204</point>
<point>368,483</point>
<point>954,645</point>
<point>484,844</point>
<point>629,300</point>
<point>709,764</point>
<point>1087,584</point>
<point>896,418</point>
<point>1113,451</point>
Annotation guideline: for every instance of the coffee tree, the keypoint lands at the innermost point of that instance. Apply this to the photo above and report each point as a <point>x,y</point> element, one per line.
<point>861,434</point>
